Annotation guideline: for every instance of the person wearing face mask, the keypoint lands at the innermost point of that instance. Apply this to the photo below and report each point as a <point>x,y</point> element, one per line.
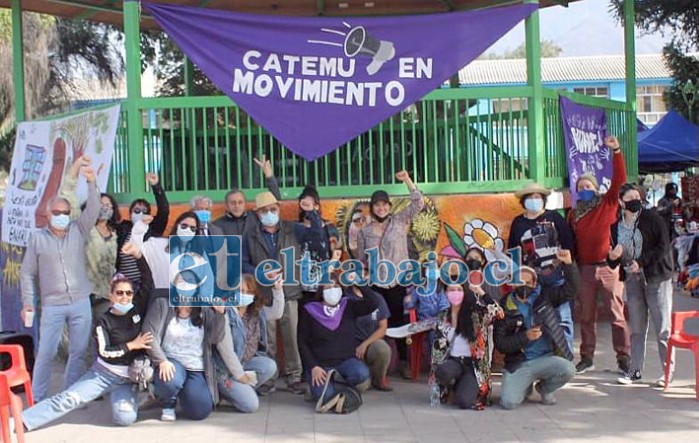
<point>590,219</point>
<point>100,248</point>
<point>317,237</point>
<point>541,233</point>
<point>670,208</point>
<point>201,206</point>
<point>236,220</point>
<point>388,232</point>
<point>54,269</point>
<point>327,328</point>
<point>119,342</point>
<point>248,334</point>
<point>530,357</point>
<point>640,247</point>
<point>265,243</point>
<point>138,210</point>
<point>461,351</point>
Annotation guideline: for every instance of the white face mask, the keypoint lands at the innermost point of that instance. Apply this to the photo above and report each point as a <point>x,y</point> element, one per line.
<point>185,234</point>
<point>332,296</point>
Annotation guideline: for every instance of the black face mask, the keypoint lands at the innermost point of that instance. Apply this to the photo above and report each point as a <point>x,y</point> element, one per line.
<point>523,292</point>
<point>633,206</point>
<point>474,264</point>
<point>381,219</point>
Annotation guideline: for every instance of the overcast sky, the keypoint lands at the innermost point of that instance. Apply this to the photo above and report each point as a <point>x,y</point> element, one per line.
<point>583,28</point>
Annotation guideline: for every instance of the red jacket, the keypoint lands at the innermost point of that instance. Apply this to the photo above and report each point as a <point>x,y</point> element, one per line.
<point>592,230</point>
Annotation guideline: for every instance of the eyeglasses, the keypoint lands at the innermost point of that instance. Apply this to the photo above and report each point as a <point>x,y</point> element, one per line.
<point>141,211</point>
<point>266,210</point>
<point>121,293</point>
<point>57,212</point>
<point>186,226</point>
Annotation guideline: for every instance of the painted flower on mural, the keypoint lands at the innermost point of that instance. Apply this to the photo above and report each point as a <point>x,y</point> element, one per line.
<point>483,235</point>
<point>426,226</point>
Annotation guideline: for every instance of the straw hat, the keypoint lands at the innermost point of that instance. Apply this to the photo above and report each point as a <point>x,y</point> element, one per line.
<point>264,199</point>
<point>532,188</point>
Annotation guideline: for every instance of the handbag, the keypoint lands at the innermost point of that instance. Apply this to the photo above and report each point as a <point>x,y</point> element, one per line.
<point>141,371</point>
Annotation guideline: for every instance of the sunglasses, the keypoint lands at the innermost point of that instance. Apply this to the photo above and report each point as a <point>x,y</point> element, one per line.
<point>120,293</point>
<point>190,227</point>
<point>57,212</point>
<point>141,211</point>
<point>266,210</point>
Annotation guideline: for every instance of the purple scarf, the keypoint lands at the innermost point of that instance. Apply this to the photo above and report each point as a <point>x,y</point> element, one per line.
<point>328,316</point>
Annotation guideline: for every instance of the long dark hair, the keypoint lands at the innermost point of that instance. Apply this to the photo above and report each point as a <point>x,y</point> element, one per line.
<point>178,220</point>
<point>194,316</point>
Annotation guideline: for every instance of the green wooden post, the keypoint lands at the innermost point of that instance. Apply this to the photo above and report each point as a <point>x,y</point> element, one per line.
<point>188,77</point>
<point>18,61</point>
<point>136,157</point>
<point>535,120</point>
<point>630,52</point>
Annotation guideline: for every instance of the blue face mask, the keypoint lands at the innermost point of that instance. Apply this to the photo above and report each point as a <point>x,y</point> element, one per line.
<point>534,204</point>
<point>246,299</point>
<point>60,222</point>
<point>122,309</point>
<point>204,215</point>
<point>270,218</point>
<point>586,195</point>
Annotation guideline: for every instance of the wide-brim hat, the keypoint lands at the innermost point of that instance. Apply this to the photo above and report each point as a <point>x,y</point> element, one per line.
<point>532,188</point>
<point>263,199</point>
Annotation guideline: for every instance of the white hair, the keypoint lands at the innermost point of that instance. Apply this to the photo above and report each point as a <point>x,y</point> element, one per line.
<point>55,199</point>
<point>197,198</point>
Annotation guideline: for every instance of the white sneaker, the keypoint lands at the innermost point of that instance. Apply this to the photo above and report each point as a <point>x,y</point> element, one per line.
<point>660,382</point>
<point>168,414</point>
<point>547,398</point>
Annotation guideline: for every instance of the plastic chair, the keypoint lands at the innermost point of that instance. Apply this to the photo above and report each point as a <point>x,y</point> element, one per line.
<point>18,375</point>
<point>10,402</point>
<point>416,343</point>
<point>678,339</point>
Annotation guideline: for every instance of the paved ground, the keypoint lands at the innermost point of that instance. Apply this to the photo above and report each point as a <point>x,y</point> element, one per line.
<point>593,406</point>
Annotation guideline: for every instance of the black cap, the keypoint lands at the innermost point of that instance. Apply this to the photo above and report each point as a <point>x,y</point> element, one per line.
<point>380,196</point>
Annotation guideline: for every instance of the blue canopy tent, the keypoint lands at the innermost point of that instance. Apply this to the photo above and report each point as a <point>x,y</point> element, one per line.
<point>671,145</point>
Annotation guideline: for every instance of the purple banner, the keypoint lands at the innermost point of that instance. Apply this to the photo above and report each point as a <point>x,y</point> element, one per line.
<point>584,129</point>
<point>317,82</point>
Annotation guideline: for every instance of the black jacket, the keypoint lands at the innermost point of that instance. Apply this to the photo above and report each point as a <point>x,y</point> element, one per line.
<point>511,333</point>
<point>656,254</point>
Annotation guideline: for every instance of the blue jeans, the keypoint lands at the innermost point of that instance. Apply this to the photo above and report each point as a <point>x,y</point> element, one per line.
<point>354,372</point>
<point>565,313</point>
<point>189,387</point>
<point>95,383</point>
<point>551,371</point>
<point>243,397</point>
<point>78,316</point>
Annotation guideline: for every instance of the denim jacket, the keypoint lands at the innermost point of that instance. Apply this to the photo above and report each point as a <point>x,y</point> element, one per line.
<point>267,313</point>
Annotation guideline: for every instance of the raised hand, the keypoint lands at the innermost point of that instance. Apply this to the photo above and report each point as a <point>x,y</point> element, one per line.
<point>564,256</point>
<point>265,165</point>
<point>132,250</point>
<point>78,164</point>
<point>402,176</point>
<point>152,178</point>
<point>88,173</point>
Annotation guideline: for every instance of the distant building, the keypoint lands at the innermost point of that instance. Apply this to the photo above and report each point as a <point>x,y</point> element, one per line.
<point>599,76</point>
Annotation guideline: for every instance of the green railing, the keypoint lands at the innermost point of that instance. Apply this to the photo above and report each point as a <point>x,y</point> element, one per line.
<point>452,141</point>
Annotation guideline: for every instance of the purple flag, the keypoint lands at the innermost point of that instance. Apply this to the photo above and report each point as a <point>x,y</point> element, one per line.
<point>316,83</point>
<point>585,129</point>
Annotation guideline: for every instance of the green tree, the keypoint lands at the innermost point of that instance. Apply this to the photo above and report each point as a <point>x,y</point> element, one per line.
<point>56,53</point>
<point>682,18</point>
<point>549,49</point>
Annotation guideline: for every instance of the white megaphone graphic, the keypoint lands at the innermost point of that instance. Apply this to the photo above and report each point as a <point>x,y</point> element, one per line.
<point>359,42</point>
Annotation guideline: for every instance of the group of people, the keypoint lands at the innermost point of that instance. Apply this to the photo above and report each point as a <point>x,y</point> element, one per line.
<point>91,270</point>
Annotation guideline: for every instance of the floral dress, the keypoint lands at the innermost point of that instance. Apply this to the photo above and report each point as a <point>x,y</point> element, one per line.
<point>484,311</point>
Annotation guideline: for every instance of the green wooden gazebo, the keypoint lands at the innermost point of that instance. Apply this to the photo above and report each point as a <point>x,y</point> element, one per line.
<point>455,140</point>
